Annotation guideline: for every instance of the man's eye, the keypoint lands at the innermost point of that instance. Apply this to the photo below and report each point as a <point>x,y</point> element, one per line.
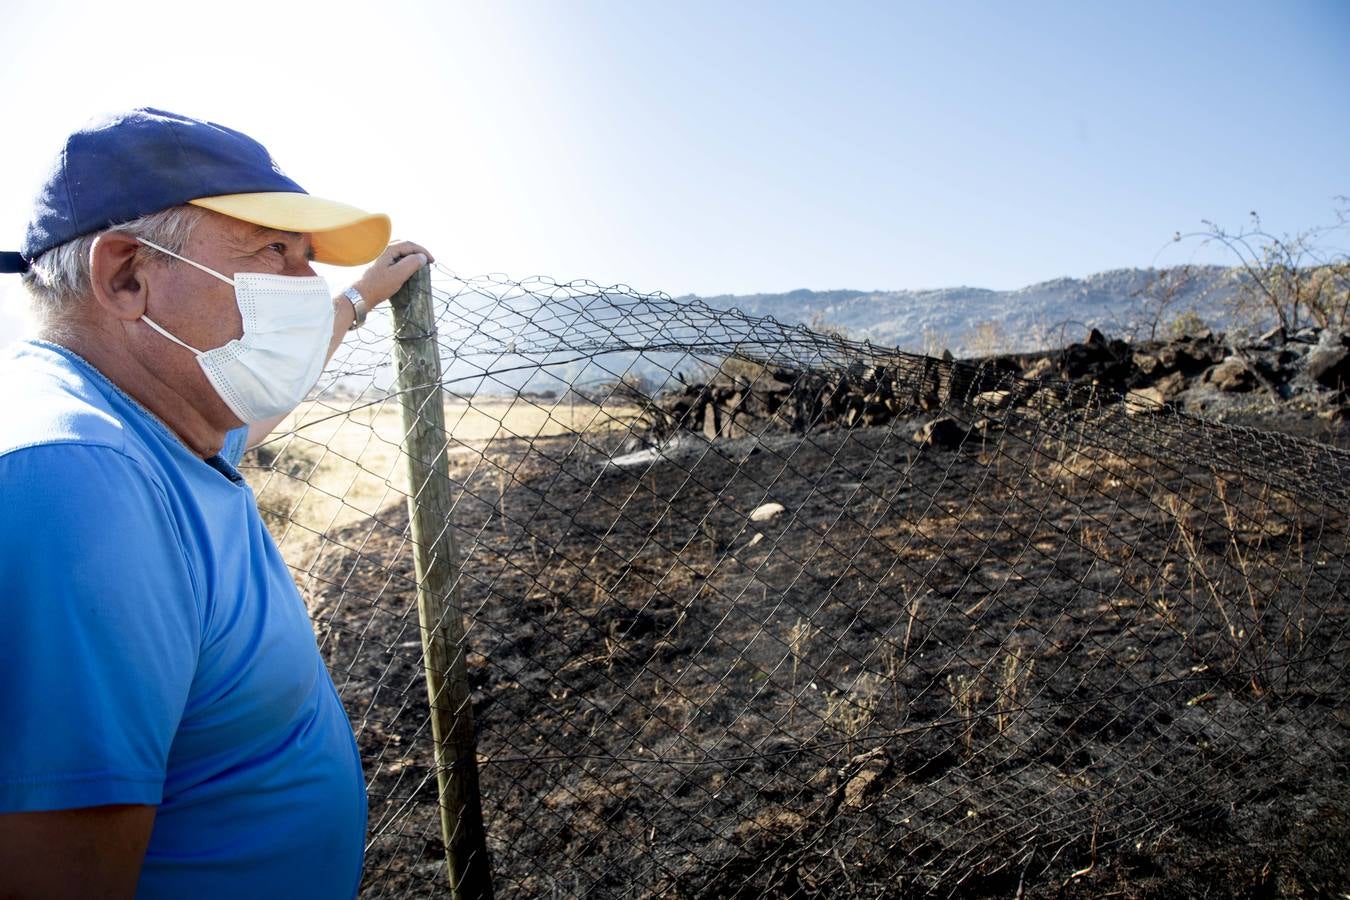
<point>279,247</point>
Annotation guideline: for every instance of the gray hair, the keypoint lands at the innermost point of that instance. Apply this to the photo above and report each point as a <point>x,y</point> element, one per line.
<point>59,280</point>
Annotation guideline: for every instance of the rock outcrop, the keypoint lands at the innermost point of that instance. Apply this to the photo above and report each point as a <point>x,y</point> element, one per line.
<point>1202,373</point>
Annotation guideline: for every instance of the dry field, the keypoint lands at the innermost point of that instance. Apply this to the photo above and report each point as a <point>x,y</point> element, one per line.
<point>330,464</point>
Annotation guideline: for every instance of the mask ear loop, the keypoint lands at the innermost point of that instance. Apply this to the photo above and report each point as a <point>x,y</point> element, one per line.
<point>186,346</point>
<point>151,322</point>
<point>197,265</point>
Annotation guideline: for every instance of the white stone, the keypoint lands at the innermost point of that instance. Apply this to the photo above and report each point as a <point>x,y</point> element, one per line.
<point>766,512</point>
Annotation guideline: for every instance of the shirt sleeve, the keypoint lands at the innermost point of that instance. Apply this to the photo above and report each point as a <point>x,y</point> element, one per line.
<point>100,630</point>
<point>236,442</point>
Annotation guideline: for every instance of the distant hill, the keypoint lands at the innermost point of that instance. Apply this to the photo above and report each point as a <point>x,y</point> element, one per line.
<point>1026,319</point>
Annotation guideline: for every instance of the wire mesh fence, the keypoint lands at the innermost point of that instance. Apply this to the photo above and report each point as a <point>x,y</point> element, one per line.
<point>756,611</point>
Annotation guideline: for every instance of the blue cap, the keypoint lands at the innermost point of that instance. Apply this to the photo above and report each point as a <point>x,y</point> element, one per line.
<point>147,160</point>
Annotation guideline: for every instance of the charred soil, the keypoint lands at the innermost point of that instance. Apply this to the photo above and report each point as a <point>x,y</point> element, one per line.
<point>1080,654</point>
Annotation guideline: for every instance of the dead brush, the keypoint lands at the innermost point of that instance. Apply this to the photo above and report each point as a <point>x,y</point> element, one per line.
<point>967,692</point>
<point>800,636</point>
<point>851,712</point>
<point>1234,520</point>
<point>1080,463</point>
<point>1189,539</point>
<point>1267,546</point>
<point>915,604</point>
<point>1245,637</point>
<point>893,668</point>
<point>1014,677</point>
<point>895,660</point>
<point>1096,541</point>
<point>1296,627</point>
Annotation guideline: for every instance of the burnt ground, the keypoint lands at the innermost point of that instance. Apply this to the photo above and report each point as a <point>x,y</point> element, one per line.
<point>1081,655</point>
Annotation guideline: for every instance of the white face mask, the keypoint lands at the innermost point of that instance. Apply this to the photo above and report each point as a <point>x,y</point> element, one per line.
<point>288,325</point>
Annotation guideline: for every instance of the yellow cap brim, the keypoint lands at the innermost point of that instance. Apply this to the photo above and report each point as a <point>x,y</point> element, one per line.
<point>343,235</point>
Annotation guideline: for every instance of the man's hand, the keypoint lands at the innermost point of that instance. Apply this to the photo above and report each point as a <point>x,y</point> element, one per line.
<point>393,267</point>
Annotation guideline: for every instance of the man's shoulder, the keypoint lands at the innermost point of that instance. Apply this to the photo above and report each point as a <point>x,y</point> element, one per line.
<point>51,399</point>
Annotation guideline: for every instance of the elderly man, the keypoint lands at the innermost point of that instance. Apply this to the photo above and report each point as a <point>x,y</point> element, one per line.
<point>170,729</point>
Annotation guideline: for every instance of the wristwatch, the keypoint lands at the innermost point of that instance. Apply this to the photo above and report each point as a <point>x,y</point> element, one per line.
<point>359,306</point>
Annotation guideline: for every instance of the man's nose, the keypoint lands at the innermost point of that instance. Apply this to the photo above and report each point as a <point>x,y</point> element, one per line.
<point>303,260</point>
<point>299,266</point>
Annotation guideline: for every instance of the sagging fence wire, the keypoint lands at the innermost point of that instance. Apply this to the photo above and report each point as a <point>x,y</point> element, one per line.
<point>756,611</point>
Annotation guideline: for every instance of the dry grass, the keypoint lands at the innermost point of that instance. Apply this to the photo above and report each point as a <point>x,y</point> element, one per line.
<point>1014,677</point>
<point>851,711</point>
<point>966,692</point>
<point>329,465</point>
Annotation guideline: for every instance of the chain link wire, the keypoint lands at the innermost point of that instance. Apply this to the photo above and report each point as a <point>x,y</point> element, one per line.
<point>733,631</point>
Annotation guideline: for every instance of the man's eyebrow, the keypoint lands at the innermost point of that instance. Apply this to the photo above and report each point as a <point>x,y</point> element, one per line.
<point>262,231</point>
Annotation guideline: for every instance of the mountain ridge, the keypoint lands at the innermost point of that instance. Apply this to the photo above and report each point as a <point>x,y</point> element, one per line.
<point>969,319</point>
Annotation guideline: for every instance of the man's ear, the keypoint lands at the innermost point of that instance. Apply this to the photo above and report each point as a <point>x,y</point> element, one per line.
<point>117,275</point>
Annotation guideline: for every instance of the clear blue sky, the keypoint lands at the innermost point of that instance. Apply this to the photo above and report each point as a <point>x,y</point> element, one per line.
<point>718,147</point>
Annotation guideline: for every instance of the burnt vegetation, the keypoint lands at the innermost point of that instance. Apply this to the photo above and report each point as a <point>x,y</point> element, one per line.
<point>877,625</point>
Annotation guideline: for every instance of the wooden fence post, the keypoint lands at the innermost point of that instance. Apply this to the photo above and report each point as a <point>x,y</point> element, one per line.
<point>438,605</point>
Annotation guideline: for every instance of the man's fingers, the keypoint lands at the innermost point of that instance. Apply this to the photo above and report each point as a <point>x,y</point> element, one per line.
<point>402,249</point>
<point>399,261</point>
<point>410,264</point>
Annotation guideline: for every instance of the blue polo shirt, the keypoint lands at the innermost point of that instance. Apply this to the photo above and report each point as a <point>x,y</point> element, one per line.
<point>154,649</point>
